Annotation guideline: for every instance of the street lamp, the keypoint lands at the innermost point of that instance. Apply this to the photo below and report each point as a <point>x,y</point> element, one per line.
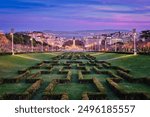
<point>42,45</point>
<point>105,43</point>
<point>12,41</point>
<point>99,42</point>
<point>134,39</point>
<point>31,39</point>
<point>52,46</point>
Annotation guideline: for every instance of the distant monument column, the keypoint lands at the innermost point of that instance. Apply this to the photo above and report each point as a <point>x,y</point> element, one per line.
<point>74,42</point>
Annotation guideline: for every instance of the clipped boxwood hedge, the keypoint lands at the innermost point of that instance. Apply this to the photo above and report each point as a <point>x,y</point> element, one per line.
<point>98,85</point>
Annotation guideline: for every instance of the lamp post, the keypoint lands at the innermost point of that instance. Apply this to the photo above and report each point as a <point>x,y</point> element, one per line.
<point>52,46</point>
<point>115,44</point>
<point>12,41</point>
<point>134,40</point>
<point>105,43</point>
<point>42,45</point>
<point>99,42</point>
<point>31,39</point>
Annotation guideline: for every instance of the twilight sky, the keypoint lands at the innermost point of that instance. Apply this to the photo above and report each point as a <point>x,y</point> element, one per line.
<point>74,14</point>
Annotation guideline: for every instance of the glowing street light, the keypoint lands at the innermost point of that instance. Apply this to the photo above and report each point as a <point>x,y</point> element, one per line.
<point>12,41</point>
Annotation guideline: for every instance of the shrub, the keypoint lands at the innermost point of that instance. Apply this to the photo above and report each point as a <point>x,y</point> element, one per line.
<point>22,76</point>
<point>105,65</point>
<point>15,96</point>
<point>62,71</point>
<point>48,96</point>
<point>45,72</point>
<point>85,96</point>
<point>120,68</point>
<point>125,75</point>
<point>96,96</point>
<point>51,86</point>
<point>87,70</point>
<point>9,80</point>
<point>64,96</point>
<point>34,87</point>
<point>85,81</point>
<point>98,85</point>
<point>99,66</point>
<point>35,67</point>
<point>34,75</point>
<point>103,62</point>
<point>80,76</point>
<point>22,71</point>
<point>96,70</point>
<point>69,75</point>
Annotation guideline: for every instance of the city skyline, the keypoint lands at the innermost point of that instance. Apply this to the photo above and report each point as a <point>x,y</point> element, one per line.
<point>70,15</point>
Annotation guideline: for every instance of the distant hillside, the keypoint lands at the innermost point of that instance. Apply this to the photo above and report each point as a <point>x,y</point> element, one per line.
<point>82,33</point>
<point>3,40</point>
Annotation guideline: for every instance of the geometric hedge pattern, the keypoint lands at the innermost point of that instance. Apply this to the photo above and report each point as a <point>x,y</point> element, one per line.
<point>74,76</point>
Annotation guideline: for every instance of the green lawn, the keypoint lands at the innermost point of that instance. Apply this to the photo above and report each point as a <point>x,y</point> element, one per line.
<point>13,88</point>
<point>131,87</point>
<point>139,65</point>
<point>74,90</point>
<point>9,65</point>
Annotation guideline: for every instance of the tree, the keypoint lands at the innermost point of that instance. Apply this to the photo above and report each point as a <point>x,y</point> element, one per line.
<point>146,35</point>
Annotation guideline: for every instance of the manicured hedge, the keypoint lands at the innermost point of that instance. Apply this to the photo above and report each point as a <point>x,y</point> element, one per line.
<point>99,66</point>
<point>110,73</point>
<point>80,76</point>
<point>40,64</point>
<point>125,75</point>
<point>62,71</point>
<point>98,85</point>
<point>51,86</point>
<point>45,72</point>
<point>64,96</point>
<point>96,96</point>
<point>74,62</point>
<point>116,88</point>
<point>49,96</point>
<point>15,79</point>
<point>96,70</point>
<point>33,80</point>
<point>106,65</point>
<point>85,81</point>
<point>9,80</point>
<point>34,87</point>
<point>125,94</point>
<point>85,96</point>
<point>80,67</point>
<point>22,76</point>
<point>35,67</point>
<point>22,71</point>
<point>90,57</point>
<point>120,68</point>
<point>67,67</point>
<point>15,96</point>
<point>69,74</point>
<point>86,71</point>
<point>35,75</point>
